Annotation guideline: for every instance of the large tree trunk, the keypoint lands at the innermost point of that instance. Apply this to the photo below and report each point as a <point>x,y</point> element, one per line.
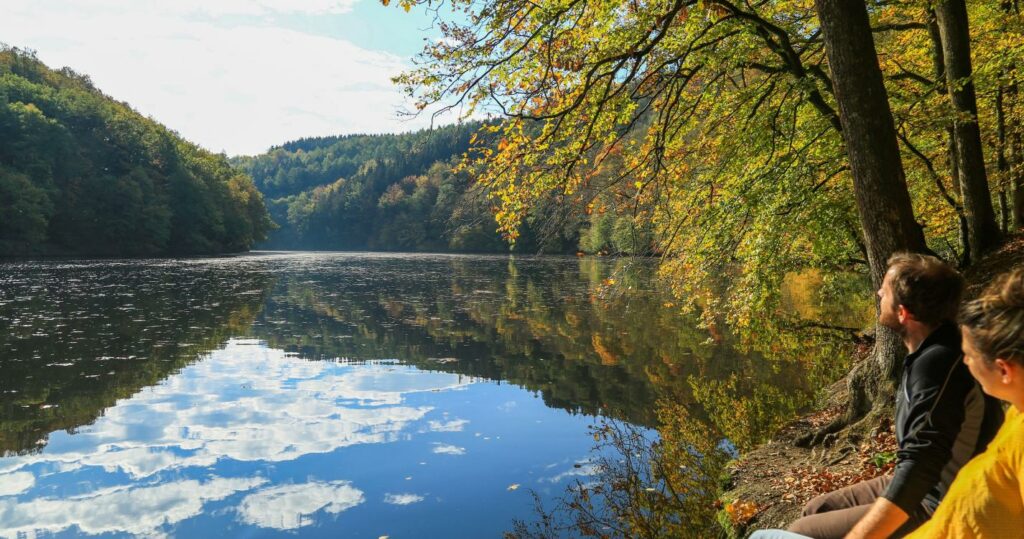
<point>951,16</point>
<point>879,184</point>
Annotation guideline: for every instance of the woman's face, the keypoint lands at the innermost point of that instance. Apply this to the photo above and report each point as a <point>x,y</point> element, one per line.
<point>987,373</point>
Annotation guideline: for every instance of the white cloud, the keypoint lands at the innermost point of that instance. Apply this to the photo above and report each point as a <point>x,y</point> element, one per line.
<point>182,8</point>
<point>138,511</point>
<point>289,507</point>
<point>580,469</point>
<point>383,384</point>
<point>508,406</point>
<point>402,499</point>
<point>446,449</point>
<point>450,426</point>
<point>290,408</point>
<point>220,73</point>
<point>16,483</point>
<point>245,402</point>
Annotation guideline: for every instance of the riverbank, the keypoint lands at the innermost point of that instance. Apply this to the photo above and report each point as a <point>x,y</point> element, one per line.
<point>769,485</point>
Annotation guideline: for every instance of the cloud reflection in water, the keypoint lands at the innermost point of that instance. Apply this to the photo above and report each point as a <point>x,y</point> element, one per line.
<point>244,403</point>
<point>122,509</point>
<point>288,507</point>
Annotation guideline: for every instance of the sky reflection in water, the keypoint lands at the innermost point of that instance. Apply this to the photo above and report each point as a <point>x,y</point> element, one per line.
<point>205,398</point>
<point>251,441</point>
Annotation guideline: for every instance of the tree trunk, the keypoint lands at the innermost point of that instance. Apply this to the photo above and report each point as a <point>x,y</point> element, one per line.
<point>951,16</point>
<point>1002,164</point>
<point>939,68</point>
<point>1015,160</point>
<point>1017,177</point>
<point>1014,155</point>
<point>879,184</point>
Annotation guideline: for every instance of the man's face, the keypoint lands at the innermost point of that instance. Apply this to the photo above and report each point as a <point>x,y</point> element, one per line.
<point>888,311</point>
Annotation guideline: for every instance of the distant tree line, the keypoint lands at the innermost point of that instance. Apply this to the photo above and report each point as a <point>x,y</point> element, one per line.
<point>81,173</point>
<point>402,192</point>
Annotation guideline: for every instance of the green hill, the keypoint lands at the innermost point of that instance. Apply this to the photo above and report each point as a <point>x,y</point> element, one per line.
<point>399,192</point>
<point>83,174</point>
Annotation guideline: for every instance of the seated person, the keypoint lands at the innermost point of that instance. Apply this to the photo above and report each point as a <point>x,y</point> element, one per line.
<point>942,416</point>
<point>986,500</point>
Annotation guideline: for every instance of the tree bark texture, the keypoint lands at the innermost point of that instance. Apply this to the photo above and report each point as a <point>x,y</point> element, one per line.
<point>1002,164</point>
<point>1012,144</point>
<point>939,68</point>
<point>879,184</point>
<point>951,16</point>
<point>1017,177</point>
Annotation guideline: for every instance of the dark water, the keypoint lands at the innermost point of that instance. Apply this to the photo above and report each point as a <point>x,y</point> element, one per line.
<point>340,395</point>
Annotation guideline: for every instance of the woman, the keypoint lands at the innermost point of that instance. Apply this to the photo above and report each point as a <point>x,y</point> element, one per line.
<point>986,500</point>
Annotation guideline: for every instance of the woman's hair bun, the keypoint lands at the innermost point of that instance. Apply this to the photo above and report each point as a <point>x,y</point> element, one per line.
<point>995,320</point>
<point>1009,289</point>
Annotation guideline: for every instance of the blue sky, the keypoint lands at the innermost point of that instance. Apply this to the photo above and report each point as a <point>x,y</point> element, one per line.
<point>235,75</point>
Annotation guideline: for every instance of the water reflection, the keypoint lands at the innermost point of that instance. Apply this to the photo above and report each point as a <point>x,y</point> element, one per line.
<point>363,395</point>
<point>122,509</point>
<point>247,403</point>
<point>289,506</point>
<point>251,436</point>
<point>76,338</point>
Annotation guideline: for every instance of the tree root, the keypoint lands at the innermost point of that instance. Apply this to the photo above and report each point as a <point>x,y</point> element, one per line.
<point>815,438</point>
<point>868,396</point>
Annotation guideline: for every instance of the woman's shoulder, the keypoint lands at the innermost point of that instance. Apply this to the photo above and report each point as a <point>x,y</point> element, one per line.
<point>1009,442</point>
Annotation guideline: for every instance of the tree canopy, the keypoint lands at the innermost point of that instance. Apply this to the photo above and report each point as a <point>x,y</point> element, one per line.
<point>714,126</point>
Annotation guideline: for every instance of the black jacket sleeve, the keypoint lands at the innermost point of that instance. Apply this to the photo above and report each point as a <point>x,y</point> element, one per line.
<point>934,418</point>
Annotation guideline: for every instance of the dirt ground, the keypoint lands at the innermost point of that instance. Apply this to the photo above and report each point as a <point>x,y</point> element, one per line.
<point>773,482</point>
<point>769,485</point>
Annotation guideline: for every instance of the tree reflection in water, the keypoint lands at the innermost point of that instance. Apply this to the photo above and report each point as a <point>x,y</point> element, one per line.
<point>589,336</point>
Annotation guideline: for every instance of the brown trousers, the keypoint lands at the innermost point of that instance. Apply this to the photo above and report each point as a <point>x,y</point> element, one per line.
<point>832,515</point>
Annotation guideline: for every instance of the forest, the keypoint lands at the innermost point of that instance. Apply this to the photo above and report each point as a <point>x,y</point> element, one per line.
<point>407,192</point>
<point>375,192</point>
<point>83,174</point>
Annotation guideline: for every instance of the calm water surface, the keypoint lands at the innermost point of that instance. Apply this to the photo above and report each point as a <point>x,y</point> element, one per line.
<point>340,395</point>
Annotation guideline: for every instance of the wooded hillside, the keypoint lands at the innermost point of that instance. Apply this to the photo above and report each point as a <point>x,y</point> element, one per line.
<point>83,174</point>
<point>402,192</point>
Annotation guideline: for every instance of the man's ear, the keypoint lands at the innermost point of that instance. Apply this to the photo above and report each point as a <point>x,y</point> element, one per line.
<point>904,314</point>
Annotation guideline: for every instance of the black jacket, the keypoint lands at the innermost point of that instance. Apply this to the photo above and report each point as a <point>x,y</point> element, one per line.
<point>943,419</point>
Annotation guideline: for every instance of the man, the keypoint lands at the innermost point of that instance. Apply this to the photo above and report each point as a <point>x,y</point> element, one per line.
<point>942,417</point>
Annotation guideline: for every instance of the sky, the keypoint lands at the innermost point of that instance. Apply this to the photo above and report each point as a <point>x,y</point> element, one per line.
<point>237,76</point>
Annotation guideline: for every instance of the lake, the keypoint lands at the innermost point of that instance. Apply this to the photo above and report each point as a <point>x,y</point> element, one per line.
<point>344,394</point>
